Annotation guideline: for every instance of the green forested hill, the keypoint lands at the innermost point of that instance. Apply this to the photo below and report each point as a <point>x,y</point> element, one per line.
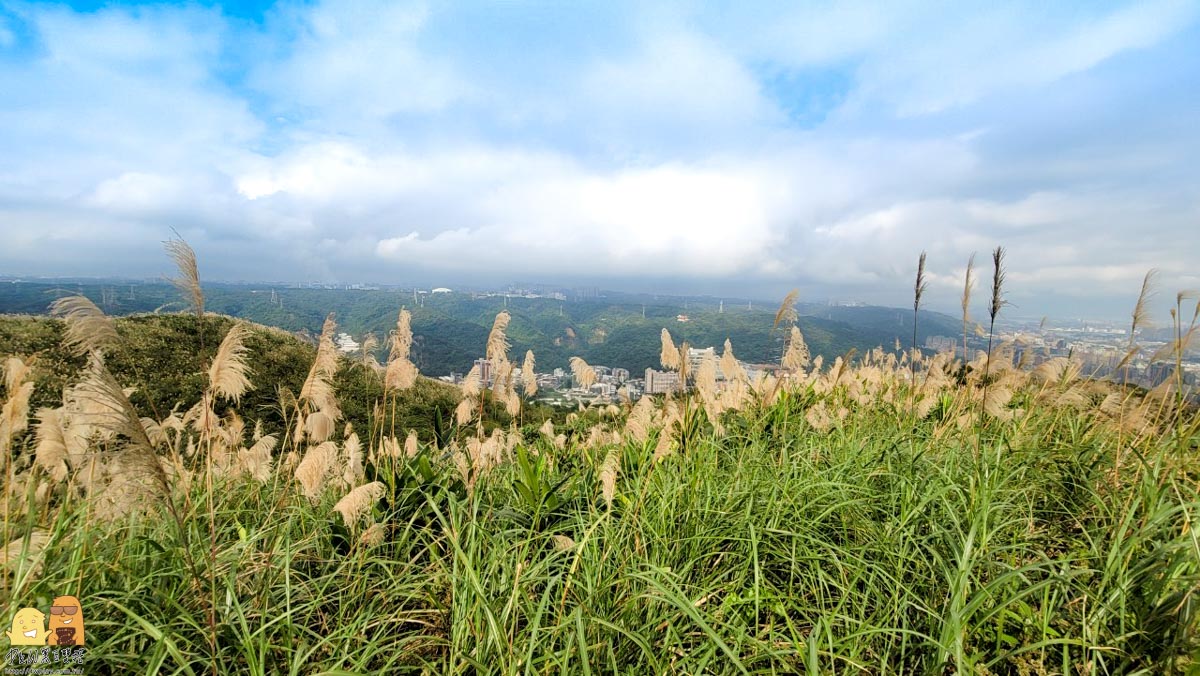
<point>161,357</point>
<point>450,330</point>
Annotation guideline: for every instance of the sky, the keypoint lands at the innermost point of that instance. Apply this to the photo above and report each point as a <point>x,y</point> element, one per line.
<point>710,148</point>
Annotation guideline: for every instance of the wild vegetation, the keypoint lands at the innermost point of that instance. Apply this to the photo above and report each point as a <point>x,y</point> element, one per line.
<point>881,512</point>
<point>448,329</point>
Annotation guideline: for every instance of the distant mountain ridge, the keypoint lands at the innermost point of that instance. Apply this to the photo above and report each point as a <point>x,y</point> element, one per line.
<point>450,329</point>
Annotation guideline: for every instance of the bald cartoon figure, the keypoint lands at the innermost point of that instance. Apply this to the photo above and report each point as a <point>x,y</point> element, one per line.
<point>28,628</point>
<point>66,622</point>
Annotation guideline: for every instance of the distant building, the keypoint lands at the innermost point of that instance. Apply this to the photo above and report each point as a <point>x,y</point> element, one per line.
<point>441,289</point>
<point>345,343</point>
<point>941,343</point>
<point>697,355</point>
<point>620,374</point>
<point>682,318</point>
<point>661,382</point>
<point>485,371</point>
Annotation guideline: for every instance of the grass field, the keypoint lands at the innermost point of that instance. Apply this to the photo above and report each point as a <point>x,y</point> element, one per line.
<point>873,515</point>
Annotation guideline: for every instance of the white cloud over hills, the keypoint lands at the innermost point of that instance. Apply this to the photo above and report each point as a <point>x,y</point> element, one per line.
<point>821,145</point>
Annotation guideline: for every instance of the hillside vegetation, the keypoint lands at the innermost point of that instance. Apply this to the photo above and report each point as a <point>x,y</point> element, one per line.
<point>448,329</point>
<point>892,512</point>
<point>162,359</point>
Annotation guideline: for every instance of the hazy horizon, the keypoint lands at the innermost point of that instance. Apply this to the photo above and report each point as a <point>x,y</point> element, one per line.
<point>661,148</point>
<point>762,301</point>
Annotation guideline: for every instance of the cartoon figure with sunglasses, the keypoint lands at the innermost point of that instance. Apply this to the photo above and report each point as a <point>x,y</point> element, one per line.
<point>66,622</point>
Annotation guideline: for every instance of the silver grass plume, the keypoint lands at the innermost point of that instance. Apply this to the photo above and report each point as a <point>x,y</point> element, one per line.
<point>1141,315</point>
<point>315,467</point>
<point>921,284</point>
<point>14,415</point>
<point>256,460</point>
<point>357,504</point>
<point>472,383</point>
<point>401,372</point>
<point>318,386</point>
<point>637,425</point>
<point>88,329</point>
<point>731,369</point>
<point>367,352</point>
<point>998,278</point>
<point>110,410</point>
<point>227,375</point>
<point>968,287</point>
<point>669,356</point>
<point>188,281</point>
<point>497,342</point>
<point>528,375</point>
<point>402,338</point>
<point>787,309</point>
<point>585,375</point>
<point>353,471</point>
<point>608,476</point>
<point>795,358</point>
<point>51,452</point>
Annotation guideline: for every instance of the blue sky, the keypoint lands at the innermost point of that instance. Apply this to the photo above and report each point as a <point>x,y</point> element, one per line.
<point>726,148</point>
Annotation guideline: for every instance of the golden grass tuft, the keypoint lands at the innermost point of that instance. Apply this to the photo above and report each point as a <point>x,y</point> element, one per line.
<point>373,535</point>
<point>256,460</point>
<point>465,411</point>
<point>585,375</point>
<point>731,369</point>
<point>14,418</point>
<point>787,309</point>
<point>188,281</point>
<point>968,287</point>
<point>401,373</point>
<point>528,374</point>
<point>796,357</point>
<point>370,343</point>
<point>315,468</point>
<point>706,377</point>
<point>318,385</point>
<point>88,329</point>
<point>51,451</point>
<point>497,342</point>
<point>472,383</point>
<point>402,337</point>
<point>353,471</point>
<point>318,425</point>
<point>16,371</point>
<point>227,376</point>
<point>357,504</point>
<point>608,476</point>
<point>1141,309</point>
<point>669,357</point>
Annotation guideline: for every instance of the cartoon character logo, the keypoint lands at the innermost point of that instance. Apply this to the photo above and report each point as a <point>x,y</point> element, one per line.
<point>66,621</point>
<point>28,628</point>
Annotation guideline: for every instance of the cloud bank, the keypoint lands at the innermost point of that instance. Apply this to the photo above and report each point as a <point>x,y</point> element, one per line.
<point>747,150</point>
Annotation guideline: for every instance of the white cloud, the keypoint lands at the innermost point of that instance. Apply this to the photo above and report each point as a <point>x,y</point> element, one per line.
<point>679,85</point>
<point>920,57</point>
<point>360,141</point>
<point>353,63</point>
